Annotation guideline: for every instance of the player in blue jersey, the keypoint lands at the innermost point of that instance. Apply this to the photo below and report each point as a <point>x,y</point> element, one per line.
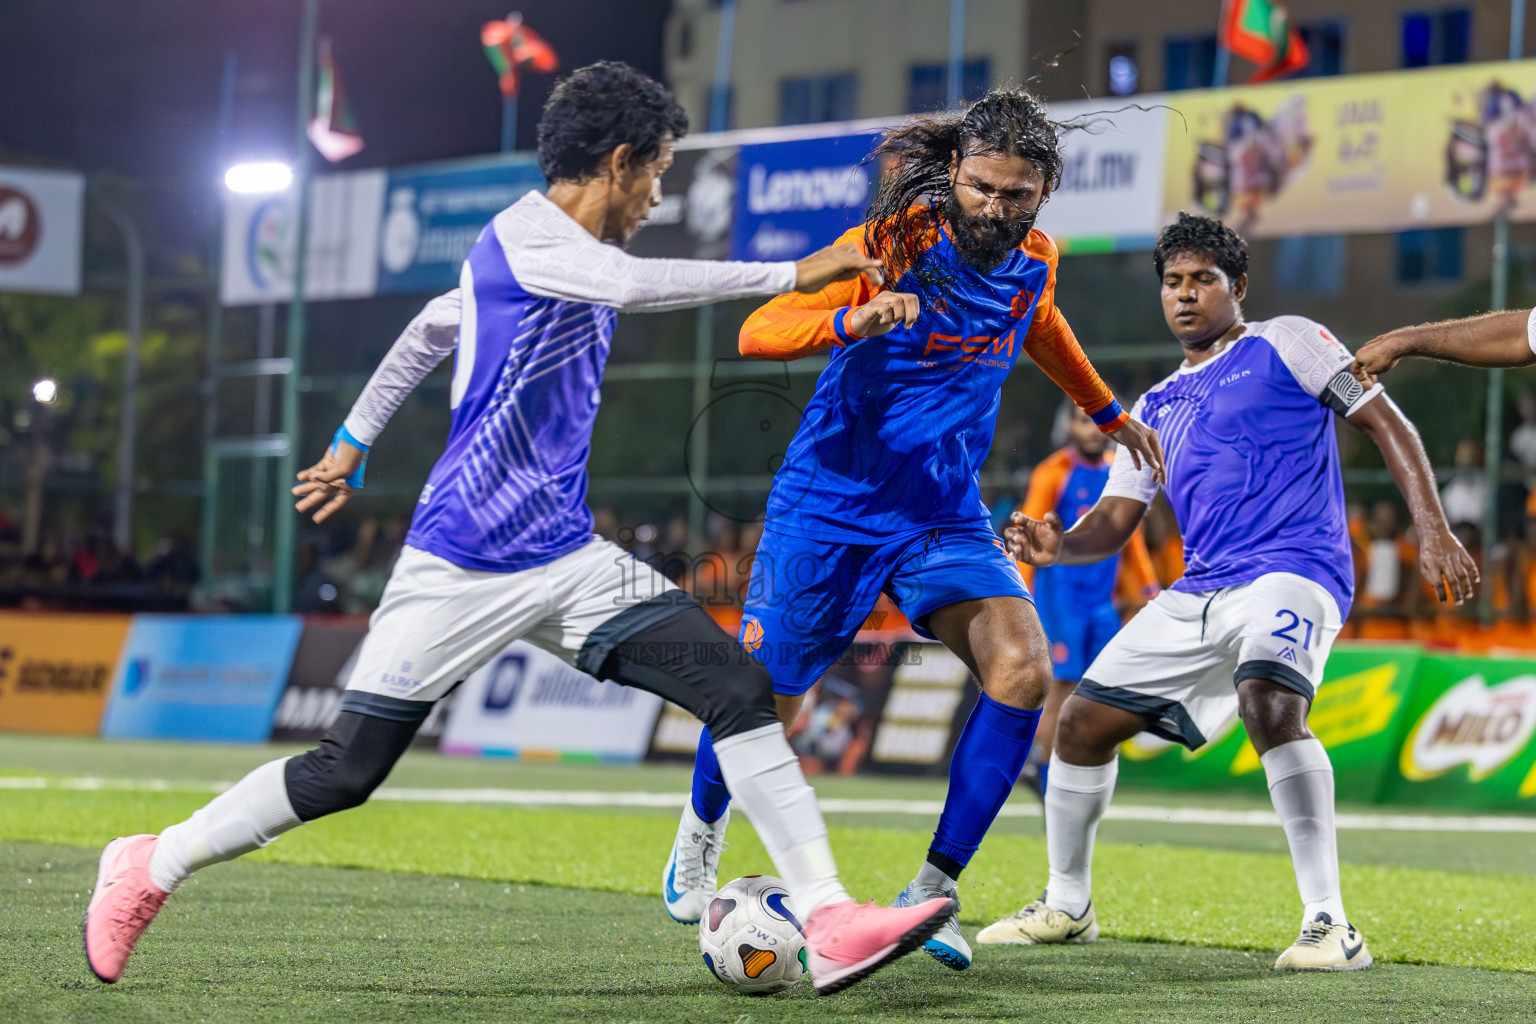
<point>1080,606</point>
<point>1253,477</point>
<point>502,546</point>
<point>878,490</point>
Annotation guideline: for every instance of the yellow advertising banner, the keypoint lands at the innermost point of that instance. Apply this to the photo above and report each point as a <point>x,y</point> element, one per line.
<point>56,670</point>
<point>1385,152</point>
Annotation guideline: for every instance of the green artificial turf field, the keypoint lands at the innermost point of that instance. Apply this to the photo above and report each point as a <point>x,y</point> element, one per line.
<point>412,910</point>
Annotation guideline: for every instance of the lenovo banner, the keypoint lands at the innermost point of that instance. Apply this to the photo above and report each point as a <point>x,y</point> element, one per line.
<point>213,678</point>
<point>794,197</point>
<point>56,670</point>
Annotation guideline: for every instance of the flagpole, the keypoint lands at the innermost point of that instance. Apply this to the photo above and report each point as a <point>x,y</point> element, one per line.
<point>287,464</point>
<point>508,123</point>
<point>1493,424</point>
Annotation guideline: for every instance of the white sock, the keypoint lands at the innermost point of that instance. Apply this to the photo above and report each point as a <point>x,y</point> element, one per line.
<point>932,875</point>
<point>1301,786</point>
<point>1075,800</point>
<point>767,783</point>
<point>247,816</point>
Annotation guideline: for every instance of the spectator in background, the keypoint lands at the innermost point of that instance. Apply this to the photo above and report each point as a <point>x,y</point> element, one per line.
<point>1467,491</point>
<point>605,522</point>
<point>1522,443</point>
<point>173,568</point>
<point>314,591</point>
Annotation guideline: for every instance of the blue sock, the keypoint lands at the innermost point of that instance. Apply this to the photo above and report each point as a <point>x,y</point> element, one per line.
<point>1045,774</point>
<point>988,757</point>
<point>710,795</point>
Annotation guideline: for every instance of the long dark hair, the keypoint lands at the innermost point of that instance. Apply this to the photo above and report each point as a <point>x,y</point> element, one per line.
<point>908,205</point>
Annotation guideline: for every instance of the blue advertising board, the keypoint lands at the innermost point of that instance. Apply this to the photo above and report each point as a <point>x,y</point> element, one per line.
<point>214,678</point>
<point>433,214</point>
<point>792,198</point>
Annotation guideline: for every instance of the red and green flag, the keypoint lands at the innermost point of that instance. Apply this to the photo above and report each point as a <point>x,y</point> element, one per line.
<point>1261,31</point>
<point>511,47</point>
<point>332,129</point>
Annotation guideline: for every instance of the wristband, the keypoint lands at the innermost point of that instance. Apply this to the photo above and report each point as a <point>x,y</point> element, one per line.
<point>840,326</point>
<point>1110,418</point>
<point>355,480</point>
<point>1530,330</point>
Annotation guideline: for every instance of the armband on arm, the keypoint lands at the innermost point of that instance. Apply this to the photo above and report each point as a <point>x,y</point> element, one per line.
<point>355,480</point>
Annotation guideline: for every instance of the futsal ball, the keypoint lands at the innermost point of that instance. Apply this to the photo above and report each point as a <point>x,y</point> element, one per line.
<point>751,938</point>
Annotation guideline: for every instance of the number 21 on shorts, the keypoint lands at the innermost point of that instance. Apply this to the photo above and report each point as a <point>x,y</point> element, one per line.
<point>1287,632</point>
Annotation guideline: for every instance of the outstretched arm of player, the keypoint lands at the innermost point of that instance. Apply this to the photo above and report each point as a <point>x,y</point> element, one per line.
<point>1443,562</point>
<point>809,321</point>
<point>1099,534</point>
<point>1494,339</point>
<point>554,257</point>
<point>425,342</point>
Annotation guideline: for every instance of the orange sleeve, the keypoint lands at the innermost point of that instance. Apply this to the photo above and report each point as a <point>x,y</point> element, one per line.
<point>796,324</point>
<point>1137,582</point>
<point>1045,486</point>
<point>1050,342</point>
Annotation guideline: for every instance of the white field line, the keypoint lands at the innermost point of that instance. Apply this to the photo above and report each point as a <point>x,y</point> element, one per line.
<point>1020,808</point>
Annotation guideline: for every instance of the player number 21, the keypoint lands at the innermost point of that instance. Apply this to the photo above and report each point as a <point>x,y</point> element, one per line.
<point>1286,632</point>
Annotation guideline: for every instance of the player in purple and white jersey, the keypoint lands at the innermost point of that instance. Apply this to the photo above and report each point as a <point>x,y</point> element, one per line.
<point>502,546</point>
<point>1247,425</point>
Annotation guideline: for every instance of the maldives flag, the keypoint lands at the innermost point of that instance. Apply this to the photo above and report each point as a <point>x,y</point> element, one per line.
<point>332,129</point>
<point>1261,31</point>
<point>511,45</point>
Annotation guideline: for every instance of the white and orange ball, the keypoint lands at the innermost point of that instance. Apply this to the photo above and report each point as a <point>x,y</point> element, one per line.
<point>750,936</point>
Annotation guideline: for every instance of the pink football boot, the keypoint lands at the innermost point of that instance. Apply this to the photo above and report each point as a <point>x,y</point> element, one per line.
<point>124,903</point>
<point>846,942</point>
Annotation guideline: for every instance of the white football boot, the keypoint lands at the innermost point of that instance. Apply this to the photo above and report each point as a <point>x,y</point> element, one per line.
<point>1325,946</point>
<point>946,945</point>
<point>693,870</point>
<point>1038,925</point>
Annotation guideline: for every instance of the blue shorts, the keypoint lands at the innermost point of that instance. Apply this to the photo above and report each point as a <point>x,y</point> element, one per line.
<point>807,598</point>
<point>1077,625</point>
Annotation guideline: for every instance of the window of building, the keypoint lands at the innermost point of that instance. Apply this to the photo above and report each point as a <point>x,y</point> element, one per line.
<point>1437,37</point>
<point>818,98</point>
<point>928,87</point>
<point>1325,49</point>
<point>1430,256</point>
<point>1124,71</point>
<point>1310,265</point>
<point>1190,62</point>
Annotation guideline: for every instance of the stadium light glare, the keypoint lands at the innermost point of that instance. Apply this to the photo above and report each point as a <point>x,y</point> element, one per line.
<point>258,177</point>
<point>46,391</point>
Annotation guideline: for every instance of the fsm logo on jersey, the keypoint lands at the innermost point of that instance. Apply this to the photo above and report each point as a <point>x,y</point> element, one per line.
<point>794,197</point>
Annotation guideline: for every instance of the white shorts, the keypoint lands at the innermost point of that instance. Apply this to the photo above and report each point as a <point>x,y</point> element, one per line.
<point>1179,660</point>
<point>438,622</point>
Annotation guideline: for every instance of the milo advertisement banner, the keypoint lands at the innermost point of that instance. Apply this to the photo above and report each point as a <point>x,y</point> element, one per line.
<point>1381,152</point>
<point>1468,741</point>
<point>1358,715</point>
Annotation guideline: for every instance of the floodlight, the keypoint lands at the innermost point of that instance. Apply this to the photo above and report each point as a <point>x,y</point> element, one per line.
<point>259,177</point>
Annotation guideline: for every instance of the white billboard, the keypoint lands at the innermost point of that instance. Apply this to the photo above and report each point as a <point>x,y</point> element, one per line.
<point>40,215</point>
<point>527,702</point>
<point>1111,192</point>
<point>343,237</point>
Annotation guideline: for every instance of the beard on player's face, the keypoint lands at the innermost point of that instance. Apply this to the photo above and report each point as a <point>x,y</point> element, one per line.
<point>983,242</point>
